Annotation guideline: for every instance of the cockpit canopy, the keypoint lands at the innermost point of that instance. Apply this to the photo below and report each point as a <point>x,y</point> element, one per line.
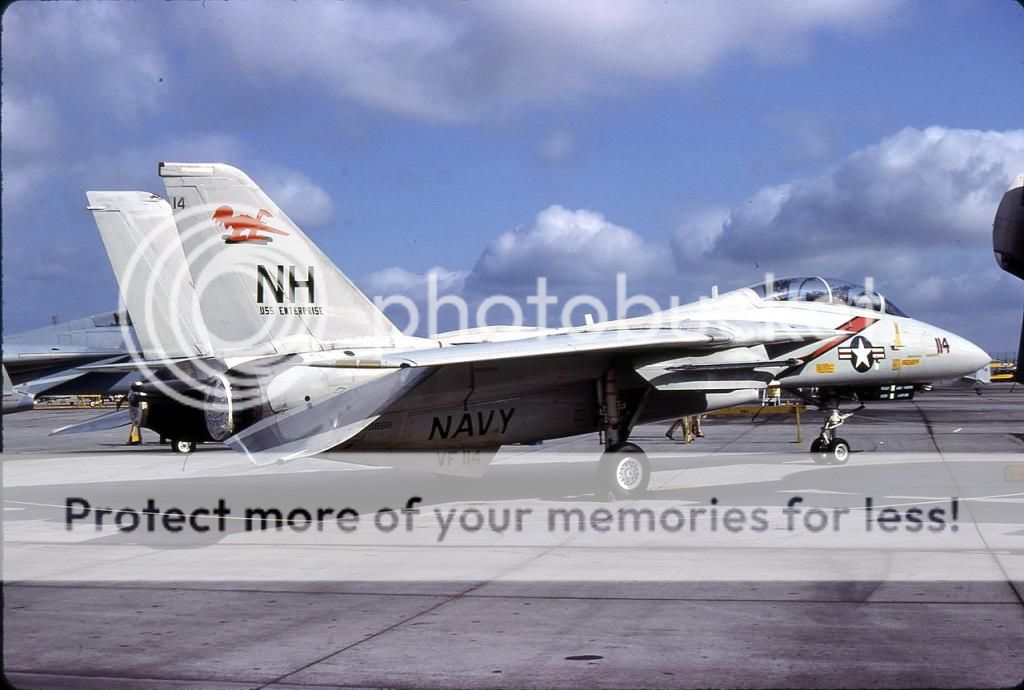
<point>827,290</point>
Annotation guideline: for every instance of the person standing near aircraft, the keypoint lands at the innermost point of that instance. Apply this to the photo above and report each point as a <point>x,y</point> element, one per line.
<point>691,428</point>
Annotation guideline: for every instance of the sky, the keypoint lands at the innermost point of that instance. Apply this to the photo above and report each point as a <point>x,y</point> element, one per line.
<point>688,145</point>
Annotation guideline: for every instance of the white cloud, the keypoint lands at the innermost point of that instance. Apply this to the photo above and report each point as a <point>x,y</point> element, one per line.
<point>304,201</point>
<point>56,43</point>
<point>31,125</point>
<point>698,235</point>
<point>454,62</point>
<point>915,190</point>
<point>441,62</point>
<point>808,136</point>
<point>398,281</point>
<point>576,251</point>
<point>664,40</point>
<point>913,213</point>
<point>32,138</point>
<point>579,248</point>
<point>558,146</point>
<point>393,288</point>
<point>402,58</point>
<point>136,166</point>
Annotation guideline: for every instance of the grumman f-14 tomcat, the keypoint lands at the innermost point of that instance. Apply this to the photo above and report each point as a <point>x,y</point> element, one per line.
<point>251,336</point>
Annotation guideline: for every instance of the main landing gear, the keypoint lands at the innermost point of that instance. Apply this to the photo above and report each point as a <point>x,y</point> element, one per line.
<point>623,471</point>
<point>182,446</point>
<point>829,449</point>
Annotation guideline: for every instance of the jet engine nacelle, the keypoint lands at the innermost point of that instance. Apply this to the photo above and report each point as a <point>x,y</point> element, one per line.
<point>224,404</point>
<point>199,411</point>
<point>300,386</point>
<point>179,417</point>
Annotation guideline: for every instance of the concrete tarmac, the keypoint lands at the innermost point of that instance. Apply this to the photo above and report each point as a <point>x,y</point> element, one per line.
<point>541,607</point>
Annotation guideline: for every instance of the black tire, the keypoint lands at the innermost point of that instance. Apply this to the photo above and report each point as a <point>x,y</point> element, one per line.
<point>625,471</point>
<point>182,446</point>
<point>819,452</point>
<point>839,451</point>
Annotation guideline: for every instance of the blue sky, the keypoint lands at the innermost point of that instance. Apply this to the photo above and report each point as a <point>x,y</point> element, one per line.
<point>688,144</point>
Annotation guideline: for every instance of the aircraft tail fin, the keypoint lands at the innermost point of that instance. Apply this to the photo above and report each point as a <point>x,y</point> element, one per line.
<point>142,243</point>
<point>263,286</point>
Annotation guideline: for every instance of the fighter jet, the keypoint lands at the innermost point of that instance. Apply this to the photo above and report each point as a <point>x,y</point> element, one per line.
<point>272,350</point>
<point>46,361</point>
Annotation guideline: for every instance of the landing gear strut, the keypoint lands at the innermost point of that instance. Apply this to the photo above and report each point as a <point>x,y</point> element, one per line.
<point>829,449</point>
<point>623,471</point>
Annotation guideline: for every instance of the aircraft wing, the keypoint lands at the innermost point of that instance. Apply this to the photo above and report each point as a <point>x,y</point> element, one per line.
<point>133,365</point>
<point>703,337</point>
<point>318,427</point>
<point>25,364</point>
<point>46,358</point>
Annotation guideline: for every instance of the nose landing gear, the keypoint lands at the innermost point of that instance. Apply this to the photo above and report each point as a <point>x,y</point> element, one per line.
<point>829,449</point>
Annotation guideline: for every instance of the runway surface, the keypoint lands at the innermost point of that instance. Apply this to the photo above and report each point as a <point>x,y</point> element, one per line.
<point>668,591</point>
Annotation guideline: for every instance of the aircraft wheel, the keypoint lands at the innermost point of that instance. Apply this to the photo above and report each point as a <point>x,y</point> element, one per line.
<point>183,446</point>
<point>820,453</point>
<point>625,471</point>
<point>839,451</point>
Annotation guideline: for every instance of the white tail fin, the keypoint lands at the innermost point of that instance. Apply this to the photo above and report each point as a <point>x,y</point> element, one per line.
<point>263,286</point>
<point>142,242</point>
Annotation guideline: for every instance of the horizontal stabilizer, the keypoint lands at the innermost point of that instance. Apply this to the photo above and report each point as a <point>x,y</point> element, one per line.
<point>15,400</point>
<point>323,425</point>
<point>112,420</point>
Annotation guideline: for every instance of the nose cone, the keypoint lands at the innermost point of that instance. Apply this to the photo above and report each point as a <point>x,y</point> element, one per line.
<point>968,358</point>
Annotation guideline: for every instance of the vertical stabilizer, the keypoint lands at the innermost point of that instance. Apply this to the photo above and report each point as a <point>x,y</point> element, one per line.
<point>263,286</point>
<point>142,243</point>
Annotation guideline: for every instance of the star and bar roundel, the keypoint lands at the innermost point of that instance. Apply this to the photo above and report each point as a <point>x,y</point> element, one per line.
<point>854,348</point>
<point>861,353</point>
